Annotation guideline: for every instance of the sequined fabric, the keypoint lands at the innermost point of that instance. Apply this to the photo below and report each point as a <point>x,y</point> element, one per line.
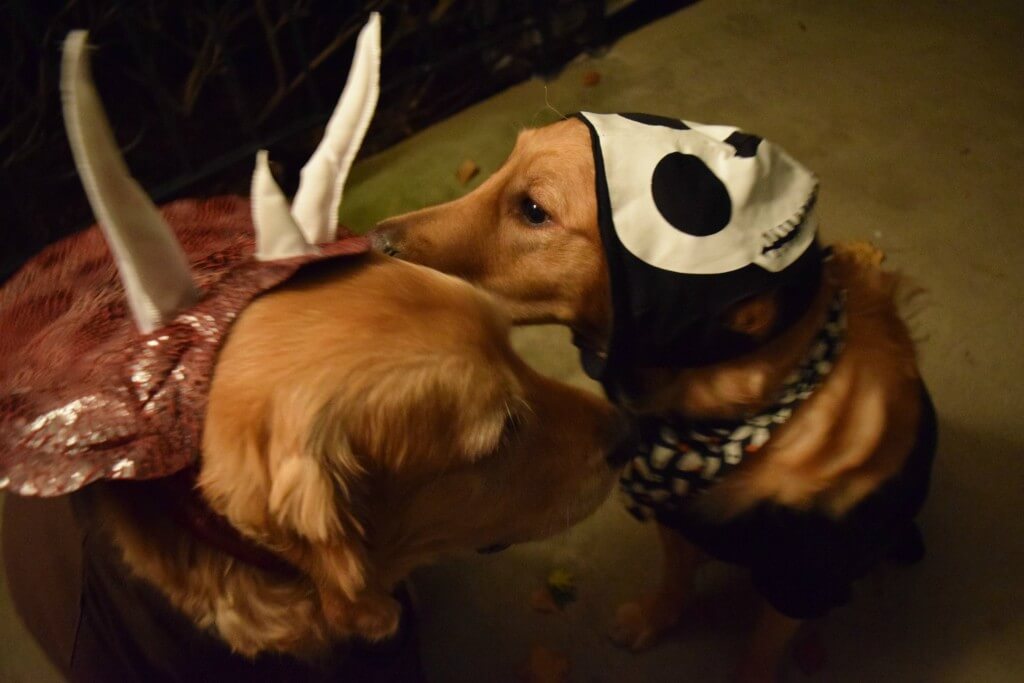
<point>83,395</point>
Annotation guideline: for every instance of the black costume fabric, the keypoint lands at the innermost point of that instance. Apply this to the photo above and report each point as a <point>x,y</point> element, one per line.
<point>804,562</point>
<point>98,623</point>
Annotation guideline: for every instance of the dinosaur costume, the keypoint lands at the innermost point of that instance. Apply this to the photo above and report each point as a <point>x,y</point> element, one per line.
<point>110,339</point>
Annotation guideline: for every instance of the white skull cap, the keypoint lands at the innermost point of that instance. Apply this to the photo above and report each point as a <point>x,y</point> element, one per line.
<point>703,199</point>
<point>695,218</point>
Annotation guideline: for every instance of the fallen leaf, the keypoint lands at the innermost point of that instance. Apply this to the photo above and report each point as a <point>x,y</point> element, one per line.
<point>467,171</point>
<point>562,586</point>
<point>591,78</point>
<point>546,666</point>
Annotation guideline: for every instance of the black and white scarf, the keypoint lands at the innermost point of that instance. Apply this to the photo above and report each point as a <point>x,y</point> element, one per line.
<point>678,458</point>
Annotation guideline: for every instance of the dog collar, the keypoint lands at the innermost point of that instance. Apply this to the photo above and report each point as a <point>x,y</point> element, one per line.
<point>677,458</point>
<point>694,219</point>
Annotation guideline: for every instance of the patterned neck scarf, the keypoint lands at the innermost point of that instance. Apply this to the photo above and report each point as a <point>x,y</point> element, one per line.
<point>677,458</point>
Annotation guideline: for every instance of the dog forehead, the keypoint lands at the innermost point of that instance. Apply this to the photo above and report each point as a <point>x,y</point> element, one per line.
<point>554,140</point>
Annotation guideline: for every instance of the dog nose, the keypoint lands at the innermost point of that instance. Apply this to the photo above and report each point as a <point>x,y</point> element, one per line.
<point>625,438</point>
<point>384,238</point>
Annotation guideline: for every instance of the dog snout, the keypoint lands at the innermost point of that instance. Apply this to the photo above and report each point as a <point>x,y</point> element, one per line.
<point>624,438</point>
<point>386,238</point>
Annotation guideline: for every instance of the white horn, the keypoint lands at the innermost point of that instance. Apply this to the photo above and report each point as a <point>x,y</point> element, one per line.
<point>323,177</point>
<point>153,267</point>
<point>277,234</point>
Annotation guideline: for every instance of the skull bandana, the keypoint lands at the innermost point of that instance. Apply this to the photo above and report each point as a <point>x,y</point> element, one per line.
<point>694,219</point>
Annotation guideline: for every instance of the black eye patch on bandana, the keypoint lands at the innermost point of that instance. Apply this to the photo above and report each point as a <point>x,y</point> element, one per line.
<point>745,143</point>
<point>689,195</point>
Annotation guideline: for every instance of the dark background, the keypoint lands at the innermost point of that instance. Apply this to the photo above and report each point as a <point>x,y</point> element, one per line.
<point>194,88</point>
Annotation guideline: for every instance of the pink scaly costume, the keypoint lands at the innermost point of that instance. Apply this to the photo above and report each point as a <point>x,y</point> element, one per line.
<point>107,378</point>
<point>109,343</point>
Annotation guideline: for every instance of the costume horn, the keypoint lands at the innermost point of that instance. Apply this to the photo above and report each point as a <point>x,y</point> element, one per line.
<point>277,234</point>
<point>153,266</point>
<point>323,177</point>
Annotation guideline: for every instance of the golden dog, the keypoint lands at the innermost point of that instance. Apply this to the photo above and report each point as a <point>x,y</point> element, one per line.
<point>364,419</point>
<point>529,233</point>
<point>363,423</point>
<point>364,416</point>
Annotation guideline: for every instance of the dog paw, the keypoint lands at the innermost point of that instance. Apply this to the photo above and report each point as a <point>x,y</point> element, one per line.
<point>377,619</point>
<point>637,625</point>
<point>370,617</point>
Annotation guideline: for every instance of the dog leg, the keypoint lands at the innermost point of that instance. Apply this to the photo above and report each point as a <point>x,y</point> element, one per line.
<point>767,646</point>
<point>372,616</point>
<point>639,624</point>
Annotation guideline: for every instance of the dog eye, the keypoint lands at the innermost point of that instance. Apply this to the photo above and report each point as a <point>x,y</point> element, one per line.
<point>533,212</point>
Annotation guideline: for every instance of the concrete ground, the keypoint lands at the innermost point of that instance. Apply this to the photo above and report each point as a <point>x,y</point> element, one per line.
<point>910,113</point>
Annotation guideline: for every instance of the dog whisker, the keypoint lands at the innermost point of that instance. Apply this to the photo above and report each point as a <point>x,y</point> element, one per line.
<point>547,103</point>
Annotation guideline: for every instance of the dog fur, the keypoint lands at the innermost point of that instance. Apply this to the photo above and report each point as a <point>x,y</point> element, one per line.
<point>363,420</point>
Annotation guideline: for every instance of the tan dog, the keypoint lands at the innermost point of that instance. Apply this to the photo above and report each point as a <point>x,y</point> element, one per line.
<point>364,419</point>
<point>398,426</point>
<point>352,417</point>
<point>530,234</point>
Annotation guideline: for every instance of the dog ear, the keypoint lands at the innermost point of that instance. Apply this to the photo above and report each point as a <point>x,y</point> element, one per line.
<point>443,409</point>
<point>316,486</point>
<point>754,316</point>
<point>313,471</point>
<point>279,468</point>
